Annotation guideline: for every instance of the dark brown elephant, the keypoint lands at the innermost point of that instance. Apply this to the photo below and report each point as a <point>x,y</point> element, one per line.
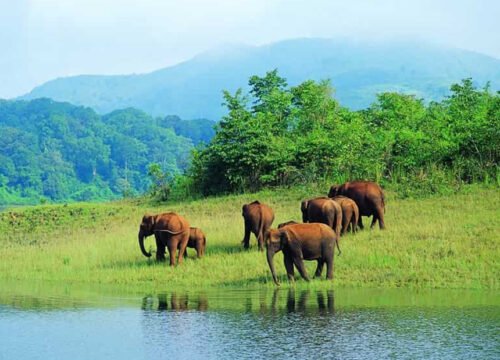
<point>197,240</point>
<point>322,210</point>
<point>170,230</point>
<point>350,213</point>
<point>368,196</point>
<point>301,242</point>
<point>258,218</point>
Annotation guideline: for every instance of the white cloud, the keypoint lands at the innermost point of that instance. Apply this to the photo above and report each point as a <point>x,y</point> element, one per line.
<point>43,39</point>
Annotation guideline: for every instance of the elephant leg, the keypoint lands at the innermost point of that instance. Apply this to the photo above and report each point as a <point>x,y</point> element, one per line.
<point>360,222</point>
<point>374,220</point>
<point>330,266</point>
<point>354,224</point>
<point>199,250</point>
<point>172,249</point>
<point>160,249</point>
<point>345,224</point>
<point>319,269</point>
<point>260,241</point>
<point>381,222</point>
<point>289,267</point>
<point>246,238</point>
<point>183,246</point>
<point>299,263</point>
<point>338,226</point>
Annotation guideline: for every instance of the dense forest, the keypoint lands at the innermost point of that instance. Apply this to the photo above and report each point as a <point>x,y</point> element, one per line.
<point>274,135</point>
<point>61,152</point>
<point>281,135</point>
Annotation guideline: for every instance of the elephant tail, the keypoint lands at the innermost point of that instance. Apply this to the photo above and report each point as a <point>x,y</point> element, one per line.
<point>261,225</point>
<point>383,202</point>
<point>338,247</point>
<point>171,232</point>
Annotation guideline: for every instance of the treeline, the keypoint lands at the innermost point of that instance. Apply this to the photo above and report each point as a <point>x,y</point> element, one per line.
<point>274,135</point>
<point>281,135</point>
<point>60,152</point>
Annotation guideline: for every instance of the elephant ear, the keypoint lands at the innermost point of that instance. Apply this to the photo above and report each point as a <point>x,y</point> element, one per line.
<point>284,238</point>
<point>154,220</point>
<point>244,209</point>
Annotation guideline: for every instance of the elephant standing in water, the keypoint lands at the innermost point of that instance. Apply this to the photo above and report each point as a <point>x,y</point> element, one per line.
<point>323,210</point>
<point>301,242</point>
<point>170,230</point>
<point>368,196</point>
<point>350,213</point>
<point>258,219</point>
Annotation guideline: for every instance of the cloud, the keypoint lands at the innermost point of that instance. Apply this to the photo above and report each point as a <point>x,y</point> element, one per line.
<point>44,39</point>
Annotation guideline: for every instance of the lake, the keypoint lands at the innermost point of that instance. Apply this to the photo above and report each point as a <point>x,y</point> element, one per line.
<point>52,321</point>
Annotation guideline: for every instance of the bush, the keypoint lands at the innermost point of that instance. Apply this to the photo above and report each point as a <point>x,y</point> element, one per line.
<point>279,136</point>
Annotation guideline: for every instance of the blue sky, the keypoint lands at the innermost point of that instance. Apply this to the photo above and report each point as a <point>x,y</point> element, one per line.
<point>44,39</point>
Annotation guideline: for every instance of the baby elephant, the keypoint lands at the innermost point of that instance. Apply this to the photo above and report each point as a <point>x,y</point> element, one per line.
<point>299,242</point>
<point>197,240</point>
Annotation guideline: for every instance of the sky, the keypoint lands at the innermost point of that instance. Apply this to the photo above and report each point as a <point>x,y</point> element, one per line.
<point>45,39</point>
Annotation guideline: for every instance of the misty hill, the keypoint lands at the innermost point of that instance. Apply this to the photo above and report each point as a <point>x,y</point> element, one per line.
<point>63,152</point>
<point>358,71</point>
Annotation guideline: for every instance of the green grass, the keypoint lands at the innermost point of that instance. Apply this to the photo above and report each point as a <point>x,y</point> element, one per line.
<point>438,242</point>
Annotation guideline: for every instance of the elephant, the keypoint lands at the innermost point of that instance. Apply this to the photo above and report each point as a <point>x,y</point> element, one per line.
<point>322,210</point>
<point>197,240</point>
<point>258,218</point>
<point>291,222</point>
<point>170,230</point>
<point>369,197</point>
<point>301,242</point>
<point>350,213</point>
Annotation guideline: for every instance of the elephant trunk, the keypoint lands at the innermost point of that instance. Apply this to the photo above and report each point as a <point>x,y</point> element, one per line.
<point>270,256</point>
<point>141,244</point>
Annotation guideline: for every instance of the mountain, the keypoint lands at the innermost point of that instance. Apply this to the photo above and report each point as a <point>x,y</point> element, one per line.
<point>62,152</point>
<point>358,71</point>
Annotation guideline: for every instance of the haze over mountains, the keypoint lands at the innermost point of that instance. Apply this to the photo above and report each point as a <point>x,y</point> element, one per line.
<point>358,71</point>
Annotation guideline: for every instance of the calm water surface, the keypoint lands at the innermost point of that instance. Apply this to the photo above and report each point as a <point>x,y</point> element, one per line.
<point>38,322</point>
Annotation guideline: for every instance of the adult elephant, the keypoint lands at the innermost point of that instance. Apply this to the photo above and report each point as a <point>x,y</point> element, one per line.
<point>369,197</point>
<point>170,230</point>
<point>322,210</point>
<point>258,218</point>
<point>301,242</point>
<point>350,213</point>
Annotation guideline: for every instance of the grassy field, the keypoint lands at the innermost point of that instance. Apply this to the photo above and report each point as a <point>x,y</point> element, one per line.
<point>438,242</point>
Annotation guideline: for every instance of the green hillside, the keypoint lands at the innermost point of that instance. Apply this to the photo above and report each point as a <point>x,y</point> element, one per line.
<point>62,152</point>
<point>358,72</point>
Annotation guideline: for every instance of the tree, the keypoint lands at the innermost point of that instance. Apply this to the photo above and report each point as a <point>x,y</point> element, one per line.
<point>160,186</point>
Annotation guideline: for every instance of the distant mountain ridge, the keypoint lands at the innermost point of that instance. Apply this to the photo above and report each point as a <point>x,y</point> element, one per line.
<point>358,70</point>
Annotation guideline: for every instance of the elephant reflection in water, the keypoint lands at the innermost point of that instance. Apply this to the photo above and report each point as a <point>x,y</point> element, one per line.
<point>177,302</point>
<point>324,299</point>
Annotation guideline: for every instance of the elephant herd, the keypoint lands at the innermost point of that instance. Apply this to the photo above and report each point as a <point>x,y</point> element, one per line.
<point>325,219</point>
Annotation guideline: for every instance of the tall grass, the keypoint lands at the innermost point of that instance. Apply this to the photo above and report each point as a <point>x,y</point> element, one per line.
<point>438,242</point>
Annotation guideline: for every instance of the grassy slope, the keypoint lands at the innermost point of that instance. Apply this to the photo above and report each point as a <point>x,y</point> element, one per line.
<point>442,242</point>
